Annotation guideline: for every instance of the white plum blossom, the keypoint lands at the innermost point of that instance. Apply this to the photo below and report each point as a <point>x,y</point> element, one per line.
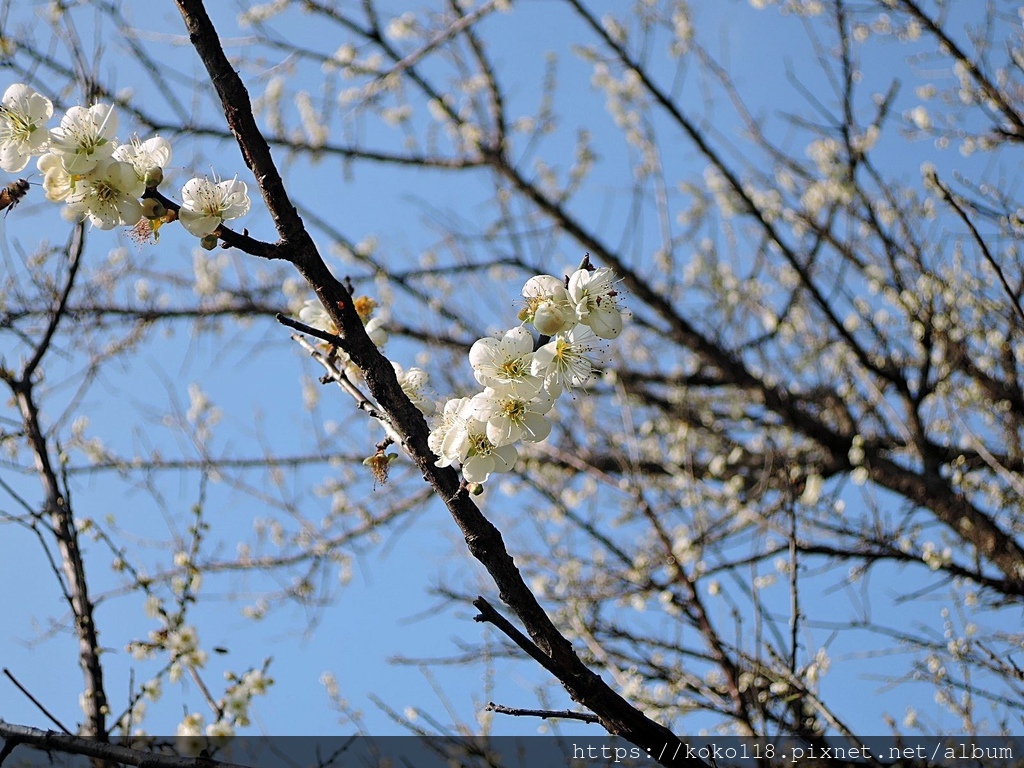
<point>205,204</point>
<point>220,729</point>
<point>413,382</point>
<point>451,417</point>
<point>23,117</point>
<point>505,363</point>
<point>183,645</point>
<point>255,682</point>
<point>521,385</point>
<point>108,195</point>
<point>84,137</point>
<point>57,182</point>
<point>192,725</point>
<point>145,156</point>
<point>510,418</point>
<point>83,164</point>
<point>547,305</point>
<point>375,330</point>
<point>467,443</point>
<point>593,295</point>
<point>563,361</point>
<point>314,315</point>
<point>485,458</point>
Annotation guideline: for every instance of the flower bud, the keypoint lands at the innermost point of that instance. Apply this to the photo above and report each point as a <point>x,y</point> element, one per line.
<point>153,209</point>
<point>549,319</point>
<point>154,176</point>
<point>208,242</point>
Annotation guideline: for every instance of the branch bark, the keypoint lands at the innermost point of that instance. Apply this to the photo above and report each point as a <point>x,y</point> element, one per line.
<point>51,741</point>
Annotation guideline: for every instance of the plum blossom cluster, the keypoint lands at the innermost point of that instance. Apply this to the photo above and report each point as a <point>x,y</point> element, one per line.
<point>101,178</point>
<point>521,380</point>
<point>233,711</point>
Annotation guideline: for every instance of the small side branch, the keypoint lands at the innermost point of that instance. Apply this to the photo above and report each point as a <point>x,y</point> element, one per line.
<point>34,700</point>
<point>490,615</point>
<point>309,330</point>
<point>986,253</point>
<point>544,714</point>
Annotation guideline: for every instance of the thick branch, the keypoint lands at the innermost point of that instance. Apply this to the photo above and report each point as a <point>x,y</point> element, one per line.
<point>50,741</point>
<point>238,110</point>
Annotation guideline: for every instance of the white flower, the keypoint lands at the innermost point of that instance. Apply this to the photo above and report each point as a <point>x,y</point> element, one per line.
<point>205,205</point>
<point>192,725</point>
<point>593,296</point>
<point>450,418</point>
<point>108,195</point>
<point>547,305</point>
<point>505,363</point>
<point>84,137</point>
<point>510,418</point>
<point>375,330</point>
<point>56,181</point>
<point>467,442</point>
<point>23,116</point>
<point>314,315</point>
<point>255,682</point>
<point>183,644</point>
<point>413,383</point>
<point>145,156</point>
<point>563,361</point>
<point>484,459</point>
<point>220,729</point>
<point>153,606</point>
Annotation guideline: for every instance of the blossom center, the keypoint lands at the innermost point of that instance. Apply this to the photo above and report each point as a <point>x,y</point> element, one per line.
<point>19,127</point>
<point>86,141</point>
<point>513,409</point>
<point>479,445</point>
<point>105,192</point>
<point>513,368</point>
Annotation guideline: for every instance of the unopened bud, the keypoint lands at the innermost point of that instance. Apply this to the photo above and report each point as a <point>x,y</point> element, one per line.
<point>475,489</point>
<point>154,176</point>
<point>208,243</point>
<point>153,209</point>
<point>548,319</point>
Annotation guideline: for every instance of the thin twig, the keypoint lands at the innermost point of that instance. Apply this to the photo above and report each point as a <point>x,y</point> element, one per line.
<point>309,330</point>
<point>544,714</point>
<point>490,615</point>
<point>950,198</point>
<point>34,700</point>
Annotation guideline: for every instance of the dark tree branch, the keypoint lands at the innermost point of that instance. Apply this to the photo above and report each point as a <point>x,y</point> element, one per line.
<point>50,741</point>
<point>544,714</point>
<point>34,700</point>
